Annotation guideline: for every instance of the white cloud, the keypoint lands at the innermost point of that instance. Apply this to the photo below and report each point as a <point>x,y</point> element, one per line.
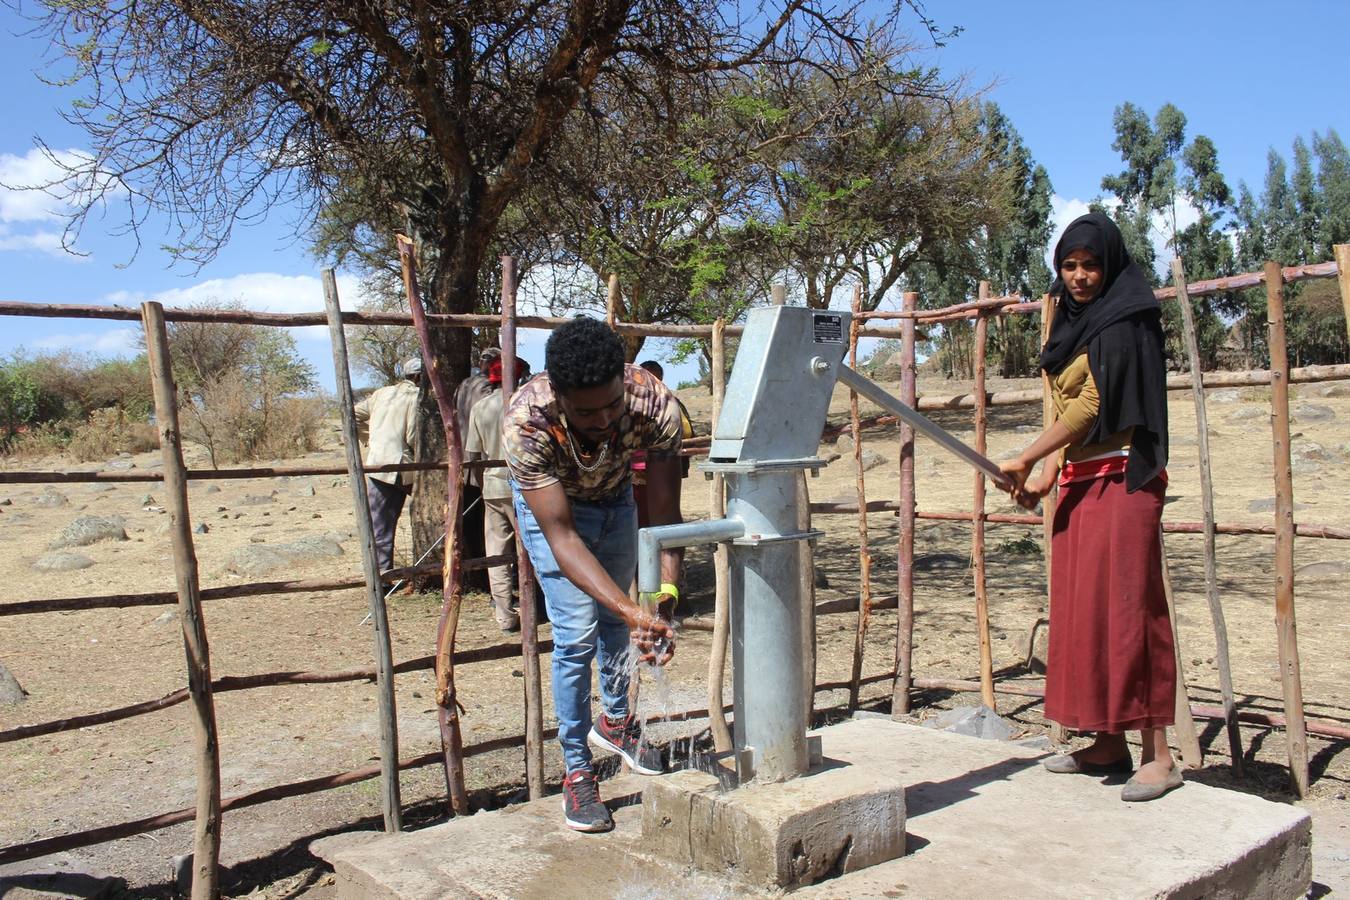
<point>116,341</point>
<point>258,291</point>
<point>35,194</point>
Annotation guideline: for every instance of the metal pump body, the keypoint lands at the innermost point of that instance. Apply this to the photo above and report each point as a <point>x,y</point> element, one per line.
<point>768,431</point>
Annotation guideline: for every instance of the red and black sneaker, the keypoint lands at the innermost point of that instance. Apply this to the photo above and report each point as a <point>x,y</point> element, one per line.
<point>624,737</point>
<point>583,810</point>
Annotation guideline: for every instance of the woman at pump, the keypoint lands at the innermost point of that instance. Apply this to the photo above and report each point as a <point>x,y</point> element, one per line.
<point>1110,666</point>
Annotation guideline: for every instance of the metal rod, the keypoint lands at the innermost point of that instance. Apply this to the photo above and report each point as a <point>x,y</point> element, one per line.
<point>921,423</point>
<point>651,541</point>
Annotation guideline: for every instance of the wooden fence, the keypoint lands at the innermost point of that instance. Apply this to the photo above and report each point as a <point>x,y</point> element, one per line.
<point>189,596</point>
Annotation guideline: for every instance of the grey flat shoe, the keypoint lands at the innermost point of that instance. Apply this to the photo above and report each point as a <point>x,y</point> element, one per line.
<point>1068,764</point>
<point>1137,792</point>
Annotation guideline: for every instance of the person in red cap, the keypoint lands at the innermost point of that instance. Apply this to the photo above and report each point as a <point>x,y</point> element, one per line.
<point>483,440</point>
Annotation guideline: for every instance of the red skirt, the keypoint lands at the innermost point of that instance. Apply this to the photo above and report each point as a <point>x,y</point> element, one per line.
<point>1111,666</point>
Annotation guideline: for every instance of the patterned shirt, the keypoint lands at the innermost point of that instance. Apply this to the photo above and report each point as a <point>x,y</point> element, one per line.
<point>540,451</point>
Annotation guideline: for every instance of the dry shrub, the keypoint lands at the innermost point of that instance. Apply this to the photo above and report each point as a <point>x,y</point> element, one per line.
<point>39,441</point>
<point>109,432</point>
<point>233,423</point>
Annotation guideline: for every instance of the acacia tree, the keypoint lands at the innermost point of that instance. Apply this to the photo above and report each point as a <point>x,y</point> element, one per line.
<point>214,110</point>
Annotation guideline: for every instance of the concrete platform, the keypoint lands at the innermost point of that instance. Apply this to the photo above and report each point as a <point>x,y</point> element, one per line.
<point>982,816</point>
<point>837,819</point>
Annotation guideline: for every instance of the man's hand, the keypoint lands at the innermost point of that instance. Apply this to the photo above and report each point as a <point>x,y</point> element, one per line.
<point>653,636</point>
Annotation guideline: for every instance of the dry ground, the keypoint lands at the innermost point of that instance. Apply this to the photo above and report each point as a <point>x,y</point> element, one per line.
<point>78,662</point>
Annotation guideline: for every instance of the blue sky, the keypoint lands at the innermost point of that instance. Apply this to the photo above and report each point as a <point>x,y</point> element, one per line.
<point>1250,75</point>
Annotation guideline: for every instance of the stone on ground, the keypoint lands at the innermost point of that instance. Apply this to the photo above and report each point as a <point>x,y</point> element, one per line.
<point>265,558</point>
<point>50,498</point>
<point>62,561</point>
<point>121,464</point>
<point>972,721</point>
<point>871,459</point>
<point>11,692</point>
<point>88,530</point>
<point>257,499</point>
<point>1310,413</point>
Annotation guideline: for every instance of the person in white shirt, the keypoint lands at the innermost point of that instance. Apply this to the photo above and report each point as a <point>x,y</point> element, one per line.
<point>386,423</point>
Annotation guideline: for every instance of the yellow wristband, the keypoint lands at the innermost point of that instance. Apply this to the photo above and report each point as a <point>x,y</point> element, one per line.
<point>672,590</point>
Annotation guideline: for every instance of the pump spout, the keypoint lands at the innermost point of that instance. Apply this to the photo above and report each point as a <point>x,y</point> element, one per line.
<point>651,541</point>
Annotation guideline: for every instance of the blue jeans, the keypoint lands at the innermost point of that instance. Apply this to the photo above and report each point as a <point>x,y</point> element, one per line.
<point>580,624</point>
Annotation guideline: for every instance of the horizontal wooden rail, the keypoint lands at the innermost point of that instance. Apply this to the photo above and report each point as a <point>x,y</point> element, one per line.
<point>234,591</point>
<point>228,474</point>
<point>483,320</point>
<point>249,682</point>
<point>849,507</point>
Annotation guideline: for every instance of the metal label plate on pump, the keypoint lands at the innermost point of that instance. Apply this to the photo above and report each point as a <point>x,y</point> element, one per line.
<point>827,328</point>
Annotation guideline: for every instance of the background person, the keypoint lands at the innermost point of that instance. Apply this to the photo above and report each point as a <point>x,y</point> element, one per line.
<point>1110,666</point>
<point>483,440</point>
<point>386,423</point>
<point>569,436</point>
<point>640,457</point>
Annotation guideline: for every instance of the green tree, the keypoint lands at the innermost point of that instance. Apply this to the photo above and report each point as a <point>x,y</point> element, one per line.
<point>18,401</point>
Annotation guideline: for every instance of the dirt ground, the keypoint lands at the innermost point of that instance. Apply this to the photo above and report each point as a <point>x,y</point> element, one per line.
<point>79,662</point>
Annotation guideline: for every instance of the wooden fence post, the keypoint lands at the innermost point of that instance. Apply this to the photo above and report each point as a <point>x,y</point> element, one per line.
<point>977,509</point>
<point>1286,627</point>
<point>1188,740</point>
<point>206,841</point>
<point>1342,254</point>
<point>717,508</point>
<point>529,624</point>
<point>390,799</point>
<point>864,548</point>
<point>452,581</point>
<point>904,551</point>
<point>1049,305</point>
<point>1207,502</point>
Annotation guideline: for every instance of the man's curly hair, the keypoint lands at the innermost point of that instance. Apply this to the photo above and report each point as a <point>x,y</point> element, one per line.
<point>583,353</point>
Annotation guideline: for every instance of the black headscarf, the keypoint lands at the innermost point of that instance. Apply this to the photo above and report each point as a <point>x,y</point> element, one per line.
<point>1122,331</point>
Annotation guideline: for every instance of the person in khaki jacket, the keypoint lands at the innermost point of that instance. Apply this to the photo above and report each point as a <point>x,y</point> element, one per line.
<point>483,440</point>
<point>386,423</point>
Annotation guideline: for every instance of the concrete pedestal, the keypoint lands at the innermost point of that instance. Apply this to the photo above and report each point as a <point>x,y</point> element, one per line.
<point>983,819</point>
<point>835,820</point>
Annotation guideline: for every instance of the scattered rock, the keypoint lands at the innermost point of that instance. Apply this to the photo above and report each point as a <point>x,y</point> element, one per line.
<point>306,489</point>
<point>99,487</point>
<point>972,721</point>
<point>61,561</point>
<point>1308,413</point>
<point>148,500</point>
<point>165,618</point>
<point>50,498</point>
<point>1318,571</point>
<point>1247,413</point>
<point>213,489</point>
<point>201,528</point>
<point>88,530</point>
<point>265,558</point>
<point>121,464</point>
<point>871,459</point>
<point>339,537</point>
<point>1026,429</point>
<point>257,499</point>
<point>928,562</point>
<point>1227,395</point>
<point>11,692</point>
<point>5,501</point>
<point>1267,504</point>
<point>1335,389</point>
<point>1036,742</point>
<point>844,445</point>
<point>1305,449</point>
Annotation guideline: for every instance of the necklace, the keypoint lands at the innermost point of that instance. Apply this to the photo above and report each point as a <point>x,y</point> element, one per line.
<point>576,457</point>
